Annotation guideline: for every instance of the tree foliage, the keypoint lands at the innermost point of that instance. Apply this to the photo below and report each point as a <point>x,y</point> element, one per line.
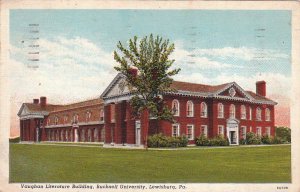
<point>150,57</point>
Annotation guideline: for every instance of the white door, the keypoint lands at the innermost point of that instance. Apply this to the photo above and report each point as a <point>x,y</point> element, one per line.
<point>137,132</point>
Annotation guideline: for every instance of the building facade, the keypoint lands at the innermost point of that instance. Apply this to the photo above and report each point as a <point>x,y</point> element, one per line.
<point>225,109</point>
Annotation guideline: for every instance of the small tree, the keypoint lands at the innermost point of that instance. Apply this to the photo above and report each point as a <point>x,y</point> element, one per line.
<point>146,66</point>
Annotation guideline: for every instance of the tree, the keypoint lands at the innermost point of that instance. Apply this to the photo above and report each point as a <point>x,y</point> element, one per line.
<point>146,66</point>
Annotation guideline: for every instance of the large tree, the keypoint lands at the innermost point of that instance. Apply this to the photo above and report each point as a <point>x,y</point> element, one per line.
<point>147,67</point>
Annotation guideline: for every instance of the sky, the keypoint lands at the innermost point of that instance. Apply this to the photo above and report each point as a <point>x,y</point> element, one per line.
<point>75,60</point>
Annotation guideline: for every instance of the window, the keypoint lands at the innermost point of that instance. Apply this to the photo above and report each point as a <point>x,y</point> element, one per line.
<point>258,114</point>
<point>243,131</point>
<point>88,116</point>
<point>112,112</point>
<point>268,131</point>
<point>175,130</point>
<point>203,109</point>
<point>268,114</point>
<point>101,115</point>
<point>75,118</point>
<point>232,111</point>
<point>175,107</point>
<point>65,119</point>
<point>49,121</point>
<point>258,131</point>
<point>250,129</point>
<point>243,112</point>
<point>250,113</point>
<point>221,129</point>
<point>190,132</point>
<point>220,110</point>
<point>189,109</point>
<point>55,120</point>
<point>204,130</point>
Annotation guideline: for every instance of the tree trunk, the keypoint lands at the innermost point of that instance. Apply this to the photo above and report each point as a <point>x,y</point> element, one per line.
<point>145,126</point>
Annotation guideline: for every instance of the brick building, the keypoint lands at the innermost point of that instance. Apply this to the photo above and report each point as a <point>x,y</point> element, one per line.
<point>225,109</point>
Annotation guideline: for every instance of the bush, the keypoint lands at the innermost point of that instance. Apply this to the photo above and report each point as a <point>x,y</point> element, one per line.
<point>219,141</point>
<point>265,139</point>
<point>277,140</point>
<point>284,133</point>
<point>202,141</point>
<point>243,141</point>
<point>14,140</point>
<point>160,140</point>
<point>252,139</point>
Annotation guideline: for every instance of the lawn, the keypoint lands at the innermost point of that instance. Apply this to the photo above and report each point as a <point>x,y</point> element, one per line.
<point>63,164</point>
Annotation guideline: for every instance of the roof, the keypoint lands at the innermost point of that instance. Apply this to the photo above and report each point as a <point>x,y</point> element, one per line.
<point>258,97</point>
<point>194,87</point>
<point>37,107</point>
<point>90,102</point>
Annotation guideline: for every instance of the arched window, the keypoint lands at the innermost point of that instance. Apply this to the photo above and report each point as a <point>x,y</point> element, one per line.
<point>56,120</point>
<point>65,119</point>
<point>75,118</point>
<point>220,110</point>
<point>243,112</point>
<point>189,109</point>
<point>203,108</point>
<point>101,115</point>
<point>250,113</point>
<point>232,111</point>
<point>258,114</point>
<point>268,114</point>
<point>88,116</point>
<point>112,112</point>
<point>175,107</point>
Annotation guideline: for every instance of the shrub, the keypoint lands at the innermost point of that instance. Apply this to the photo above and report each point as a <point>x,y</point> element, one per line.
<point>252,139</point>
<point>219,141</point>
<point>284,133</point>
<point>14,140</point>
<point>243,141</point>
<point>277,140</point>
<point>202,141</point>
<point>160,140</point>
<point>265,139</point>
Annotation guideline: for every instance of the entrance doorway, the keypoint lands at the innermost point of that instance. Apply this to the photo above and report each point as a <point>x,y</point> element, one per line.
<point>232,136</point>
<point>233,131</point>
<point>138,132</point>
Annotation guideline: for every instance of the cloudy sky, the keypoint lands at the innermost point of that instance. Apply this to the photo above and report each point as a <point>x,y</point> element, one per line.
<point>211,47</point>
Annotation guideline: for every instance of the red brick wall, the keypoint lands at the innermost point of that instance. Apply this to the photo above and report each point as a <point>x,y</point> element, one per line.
<point>212,119</point>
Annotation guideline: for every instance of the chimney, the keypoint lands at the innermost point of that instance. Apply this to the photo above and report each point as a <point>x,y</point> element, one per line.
<point>133,72</point>
<point>43,101</point>
<point>35,101</point>
<point>261,88</point>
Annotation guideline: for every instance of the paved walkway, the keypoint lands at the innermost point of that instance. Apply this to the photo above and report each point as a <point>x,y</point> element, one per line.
<point>152,149</point>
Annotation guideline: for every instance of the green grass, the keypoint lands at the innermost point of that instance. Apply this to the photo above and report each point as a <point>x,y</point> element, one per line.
<point>42,163</point>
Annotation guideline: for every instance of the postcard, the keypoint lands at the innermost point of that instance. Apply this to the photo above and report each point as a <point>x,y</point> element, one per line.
<point>150,96</point>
